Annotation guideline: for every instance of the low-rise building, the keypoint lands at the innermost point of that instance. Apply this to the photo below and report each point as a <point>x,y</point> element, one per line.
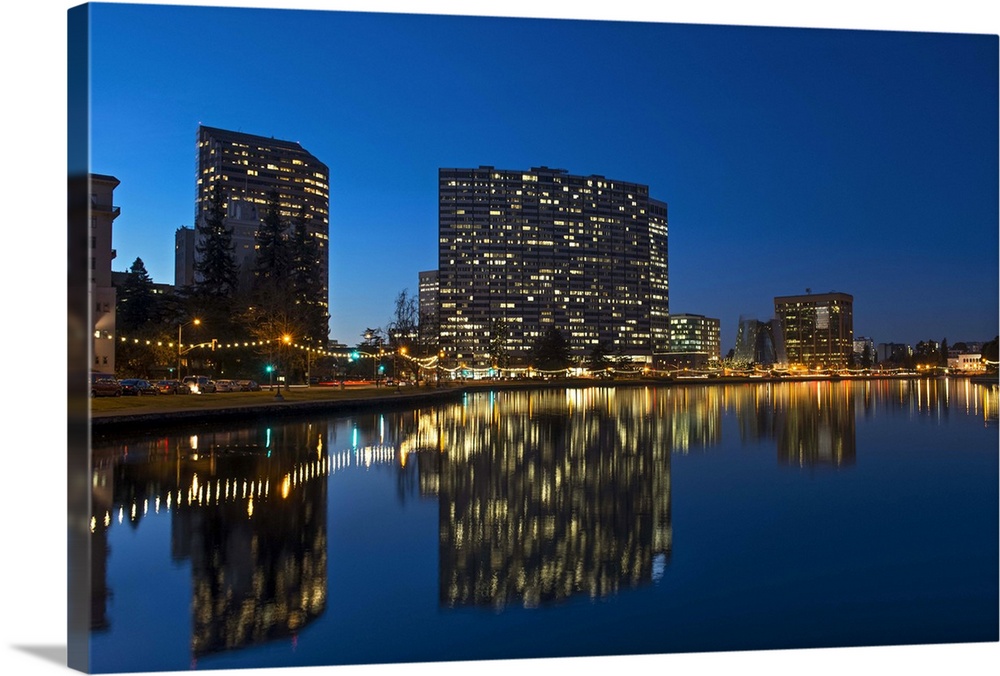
<point>694,341</point>
<point>967,363</point>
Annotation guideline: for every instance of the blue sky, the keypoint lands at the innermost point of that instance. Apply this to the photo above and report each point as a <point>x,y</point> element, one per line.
<point>862,161</point>
<point>34,50</point>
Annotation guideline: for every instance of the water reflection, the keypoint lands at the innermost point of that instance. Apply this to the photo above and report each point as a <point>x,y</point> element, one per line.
<point>248,512</point>
<point>542,496</point>
<point>550,494</point>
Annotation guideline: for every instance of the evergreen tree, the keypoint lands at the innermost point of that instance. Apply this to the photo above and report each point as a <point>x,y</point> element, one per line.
<point>499,353</point>
<point>306,283</point>
<point>599,358</point>
<point>551,351</point>
<point>136,301</point>
<point>868,356</point>
<point>943,357</point>
<point>271,270</point>
<point>990,351</point>
<point>216,265</point>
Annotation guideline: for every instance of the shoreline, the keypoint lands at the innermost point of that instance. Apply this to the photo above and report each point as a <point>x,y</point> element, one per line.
<point>107,422</point>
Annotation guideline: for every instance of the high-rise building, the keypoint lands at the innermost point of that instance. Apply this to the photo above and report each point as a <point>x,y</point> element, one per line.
<point>103,213</point>
<point>247,168</point>
<point>818,328</point>
<point>427,300</point>
<point>184,242</point>
<point>694,340</point>
<point>521,251</point>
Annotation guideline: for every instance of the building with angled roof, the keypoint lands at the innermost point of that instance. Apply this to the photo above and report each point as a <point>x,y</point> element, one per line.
<point>247,168</point>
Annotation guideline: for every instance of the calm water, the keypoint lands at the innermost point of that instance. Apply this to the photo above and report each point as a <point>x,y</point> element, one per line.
<point>554,523</point>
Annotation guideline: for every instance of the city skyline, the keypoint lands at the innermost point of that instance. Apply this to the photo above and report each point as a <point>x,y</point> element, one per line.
<point>854,161</point>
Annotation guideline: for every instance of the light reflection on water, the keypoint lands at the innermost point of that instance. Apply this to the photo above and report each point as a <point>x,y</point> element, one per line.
<point>539,499</point>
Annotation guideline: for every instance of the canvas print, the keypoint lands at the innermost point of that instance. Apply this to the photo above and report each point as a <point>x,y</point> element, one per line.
<point>410,338</point>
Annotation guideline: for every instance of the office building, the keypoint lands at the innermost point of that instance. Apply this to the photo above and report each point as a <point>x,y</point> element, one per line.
<point>521,251</point>
<point>427,300</point>
<point>103,213</point>
<point>759,343</point>
<point>818,328</point>
<point>247,168</point>
<point>694,341</point>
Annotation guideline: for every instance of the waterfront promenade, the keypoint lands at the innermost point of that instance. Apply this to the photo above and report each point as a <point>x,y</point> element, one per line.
<point>114,412</point>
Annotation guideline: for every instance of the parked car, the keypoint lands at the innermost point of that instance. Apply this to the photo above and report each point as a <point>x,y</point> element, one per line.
<point>248,386</point>
<point>200,384</point>
<point>172,387</point>
<point>226,386</point>
<point>138,387</point>
<point>104,385</point>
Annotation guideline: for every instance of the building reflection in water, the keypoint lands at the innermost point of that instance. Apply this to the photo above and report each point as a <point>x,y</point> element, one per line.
<point>548,494</point>
<point>815,424</point>
<point>542,495</point>
<point>247,509</point>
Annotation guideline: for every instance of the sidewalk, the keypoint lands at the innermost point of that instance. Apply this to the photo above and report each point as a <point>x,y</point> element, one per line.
<point>149,411</point>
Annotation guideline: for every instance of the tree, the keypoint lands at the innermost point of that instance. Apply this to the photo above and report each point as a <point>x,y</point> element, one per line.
<point>136,301</point>
<point>622,360</point>
<point>599,358</point>
<point>307,285</point>
<point>943,356</point>
<point>374,339</point>
<point>926,353</point>
<point>499,335</point>
<point>990,351</point>
<point>141,352</point>
<point>218,272</point>
<point>403,327</point>
<point>272,265</point>
<point>868,356</point>
<point>551,351</point>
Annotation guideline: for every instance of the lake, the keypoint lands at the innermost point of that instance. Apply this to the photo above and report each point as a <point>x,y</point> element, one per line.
<point>553,522</point>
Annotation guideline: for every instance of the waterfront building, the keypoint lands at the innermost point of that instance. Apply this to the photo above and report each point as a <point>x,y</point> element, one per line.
<point>759,343</point>
<point>247,168</point>
<point>523,251</point>
<point>103,213</point>
<point>694,341</point>
<point>818,328</point>
<point>967,363</point>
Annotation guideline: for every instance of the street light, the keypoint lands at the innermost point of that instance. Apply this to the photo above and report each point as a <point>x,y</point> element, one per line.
<point>287,340</point>
<point>180,329</point>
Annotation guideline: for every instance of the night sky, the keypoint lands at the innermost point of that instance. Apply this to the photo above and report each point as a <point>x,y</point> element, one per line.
<point>861,161</point>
